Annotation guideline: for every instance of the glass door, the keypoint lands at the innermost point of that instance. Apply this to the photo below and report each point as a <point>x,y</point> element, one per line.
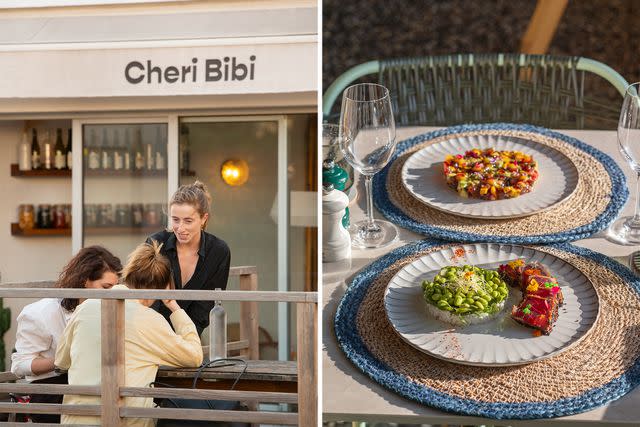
<point>257,170</point>
<point>124,183</point>
<point>260,171</point>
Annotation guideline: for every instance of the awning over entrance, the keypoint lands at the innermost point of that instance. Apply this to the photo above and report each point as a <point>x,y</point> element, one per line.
<point>261,51</point>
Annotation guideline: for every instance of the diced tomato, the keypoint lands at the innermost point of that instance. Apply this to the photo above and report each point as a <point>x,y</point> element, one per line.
<point>490,174</point>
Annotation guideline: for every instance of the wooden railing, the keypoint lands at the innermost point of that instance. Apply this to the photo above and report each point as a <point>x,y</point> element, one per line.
<point>248,342</point>
<point>113,391</point>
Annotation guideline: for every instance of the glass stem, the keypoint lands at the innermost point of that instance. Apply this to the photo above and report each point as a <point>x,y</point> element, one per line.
<point>636,214</point>
<point>368,180</point>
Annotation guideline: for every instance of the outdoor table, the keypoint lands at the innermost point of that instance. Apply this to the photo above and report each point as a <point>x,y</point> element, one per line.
<point>261,375</point>
<point>349,395</point>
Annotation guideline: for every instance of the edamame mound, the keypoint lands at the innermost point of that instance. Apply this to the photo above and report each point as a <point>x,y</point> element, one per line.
<point>465,295</point>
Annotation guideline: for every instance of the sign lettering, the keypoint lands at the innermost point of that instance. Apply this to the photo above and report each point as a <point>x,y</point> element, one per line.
<point>228,68</point>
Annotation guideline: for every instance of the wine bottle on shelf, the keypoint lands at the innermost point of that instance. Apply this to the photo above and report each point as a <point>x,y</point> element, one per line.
<point>118,155</point>
<point>24,153</point>
<point>94,153</point>
<point>106,157</point>
<point>183,130</point>
<point>69,154</point>
<point>126,152</point>
<point>85,151</point>
<point>161,164</point>
<point>149,156</point>
<point>60,157</point>
<point>138,152</point>
<point>35,150</point>
<point>47,154</point>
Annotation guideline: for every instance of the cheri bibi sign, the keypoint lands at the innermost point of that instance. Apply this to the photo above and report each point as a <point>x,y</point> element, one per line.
<point>284,66</point>
<point>214,70</point>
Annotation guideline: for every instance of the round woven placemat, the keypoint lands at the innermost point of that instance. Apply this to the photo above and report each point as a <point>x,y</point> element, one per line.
<point>601,368</point>
<point>599,197</point>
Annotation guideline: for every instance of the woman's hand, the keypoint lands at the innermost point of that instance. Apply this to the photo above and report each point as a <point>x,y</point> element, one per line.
<point>171,304</point>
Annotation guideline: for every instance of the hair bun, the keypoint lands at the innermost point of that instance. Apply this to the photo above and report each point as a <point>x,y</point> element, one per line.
<point>200,185</point>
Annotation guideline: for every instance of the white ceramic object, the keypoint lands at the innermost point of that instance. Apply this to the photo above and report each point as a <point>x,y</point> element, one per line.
<point>336,241</point>
<point>423,177</point>
<point>498,342</point>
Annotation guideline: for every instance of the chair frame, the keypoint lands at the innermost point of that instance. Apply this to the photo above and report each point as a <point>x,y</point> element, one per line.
<point>374,67</point>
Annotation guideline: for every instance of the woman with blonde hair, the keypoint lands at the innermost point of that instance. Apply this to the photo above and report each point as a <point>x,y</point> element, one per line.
<point>199,260</point>
<point>149,339</point>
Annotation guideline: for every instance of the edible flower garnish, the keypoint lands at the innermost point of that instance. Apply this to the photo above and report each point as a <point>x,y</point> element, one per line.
<point>516,263</point>
<point>533,286</point>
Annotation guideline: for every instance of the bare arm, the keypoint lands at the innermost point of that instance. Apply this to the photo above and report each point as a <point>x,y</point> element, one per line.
<point>42,365</point>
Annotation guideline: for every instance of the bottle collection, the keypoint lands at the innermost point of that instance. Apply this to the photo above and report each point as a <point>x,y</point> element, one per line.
<point>44,151</point>
<point>120,149</point>
<point>108,149</point>
<point>95,215</point>
<point>124,215</point>
<point>46,216</point>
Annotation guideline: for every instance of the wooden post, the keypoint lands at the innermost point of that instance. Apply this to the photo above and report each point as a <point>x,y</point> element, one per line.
<point>112,361</point>
<point>249,318</point>
<point>307,364</point>
<point>542,26</point>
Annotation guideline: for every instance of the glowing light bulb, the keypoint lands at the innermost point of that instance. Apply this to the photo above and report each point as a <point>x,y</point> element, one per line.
<point>235,172</point>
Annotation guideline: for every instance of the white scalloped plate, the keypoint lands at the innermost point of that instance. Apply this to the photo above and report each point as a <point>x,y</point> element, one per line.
<point>501,341</point>
<point>422,176</point>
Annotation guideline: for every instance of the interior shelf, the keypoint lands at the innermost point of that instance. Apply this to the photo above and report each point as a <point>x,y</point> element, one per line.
<point>147,230</point>
<point>134,173</point>
<point>15,171</point>
<point>122,230</point>
<point>17,231</point>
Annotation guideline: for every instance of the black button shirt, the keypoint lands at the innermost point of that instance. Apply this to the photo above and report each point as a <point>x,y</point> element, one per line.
<point>212,271</point>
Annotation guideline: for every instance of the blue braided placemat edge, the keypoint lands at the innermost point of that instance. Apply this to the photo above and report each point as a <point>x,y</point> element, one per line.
<point>619,191</point>
<point>354,348</point>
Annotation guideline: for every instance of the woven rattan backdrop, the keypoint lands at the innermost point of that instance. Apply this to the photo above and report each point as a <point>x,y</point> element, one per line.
<point>361,30</point>
<point>451,89</point>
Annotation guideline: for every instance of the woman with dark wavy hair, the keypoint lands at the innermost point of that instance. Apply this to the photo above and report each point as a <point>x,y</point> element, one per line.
<point>149,341</point>
<point>41,324</point>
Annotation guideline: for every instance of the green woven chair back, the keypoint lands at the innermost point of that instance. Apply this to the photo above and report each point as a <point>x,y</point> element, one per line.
<point>544,90</point>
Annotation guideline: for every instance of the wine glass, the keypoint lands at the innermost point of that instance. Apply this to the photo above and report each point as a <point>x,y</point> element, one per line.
<point>626,230</point>
<point>367,140</point>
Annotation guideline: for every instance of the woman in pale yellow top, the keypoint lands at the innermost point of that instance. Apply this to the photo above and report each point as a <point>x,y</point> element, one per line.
<point>149,339</point>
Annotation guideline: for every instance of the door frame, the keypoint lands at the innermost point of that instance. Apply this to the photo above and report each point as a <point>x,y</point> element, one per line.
<point>282,276</point>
